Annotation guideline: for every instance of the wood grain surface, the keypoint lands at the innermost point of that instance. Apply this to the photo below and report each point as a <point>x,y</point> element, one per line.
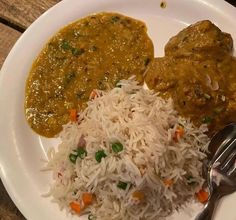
<point>23,12</point>
<point>8,211</point>
<point>16,15</point>
<point>8,37</point>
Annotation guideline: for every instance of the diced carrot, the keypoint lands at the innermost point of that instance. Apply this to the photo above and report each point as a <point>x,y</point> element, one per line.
<point>139,195</point>
<point>73,115</point>
<point>168,182</point>
<point>93,94</point>
<point>87,198</point>
<point>179,133</point>
<point>202,196</point>
<point>75,207</point>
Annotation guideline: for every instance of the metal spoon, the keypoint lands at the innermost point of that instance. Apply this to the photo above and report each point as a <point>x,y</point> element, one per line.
<point>221,174</point>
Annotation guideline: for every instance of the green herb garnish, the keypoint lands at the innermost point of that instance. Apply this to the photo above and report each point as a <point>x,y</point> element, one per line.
<point>122,185</point>
<point>65,45</point>
<point>115,18</point>
<point>207,120</point>
<point>99,155</point>
<point>77,52</point>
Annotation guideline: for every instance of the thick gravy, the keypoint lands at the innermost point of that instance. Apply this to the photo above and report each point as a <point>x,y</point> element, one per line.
<point>91,53</point>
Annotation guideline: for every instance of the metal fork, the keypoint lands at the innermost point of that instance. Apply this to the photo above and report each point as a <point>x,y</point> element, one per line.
<point>221,177</point>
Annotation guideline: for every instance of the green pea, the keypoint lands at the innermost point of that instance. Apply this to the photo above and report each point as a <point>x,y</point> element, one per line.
<point>117,147</point>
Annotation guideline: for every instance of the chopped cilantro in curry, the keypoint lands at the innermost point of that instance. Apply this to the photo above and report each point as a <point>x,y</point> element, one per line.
<point>92,53</point>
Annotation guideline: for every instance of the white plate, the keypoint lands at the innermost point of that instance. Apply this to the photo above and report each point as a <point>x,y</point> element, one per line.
<point>21,149</point>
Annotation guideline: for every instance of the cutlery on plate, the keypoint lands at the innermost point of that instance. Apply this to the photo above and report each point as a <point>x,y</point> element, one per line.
<point>221,172</point>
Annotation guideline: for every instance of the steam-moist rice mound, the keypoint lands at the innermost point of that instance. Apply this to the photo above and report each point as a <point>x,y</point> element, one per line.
<point>159,167</point>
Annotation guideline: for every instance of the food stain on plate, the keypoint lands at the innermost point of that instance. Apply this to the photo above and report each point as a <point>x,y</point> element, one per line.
<point>163,4</point>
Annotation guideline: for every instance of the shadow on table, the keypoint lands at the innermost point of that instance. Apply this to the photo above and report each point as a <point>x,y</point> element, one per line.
<point>8,210</point>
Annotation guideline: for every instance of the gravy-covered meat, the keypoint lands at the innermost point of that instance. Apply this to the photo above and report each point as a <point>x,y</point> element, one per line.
<point>200,40</point>
<point>199,74</point>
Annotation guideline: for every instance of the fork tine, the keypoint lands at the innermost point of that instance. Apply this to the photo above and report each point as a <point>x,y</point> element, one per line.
<point>221,148</point>
<point>232,172</point>
<point>227,164</point>
<point>224,154</point>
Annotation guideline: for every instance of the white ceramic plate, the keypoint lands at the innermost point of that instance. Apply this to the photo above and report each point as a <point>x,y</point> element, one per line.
<point>21,149</point>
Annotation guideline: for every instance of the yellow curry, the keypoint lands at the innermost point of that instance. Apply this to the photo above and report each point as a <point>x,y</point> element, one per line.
<point>91,53</point>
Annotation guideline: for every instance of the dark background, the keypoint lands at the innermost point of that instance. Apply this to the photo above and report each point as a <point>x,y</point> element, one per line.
<point>232,2</point>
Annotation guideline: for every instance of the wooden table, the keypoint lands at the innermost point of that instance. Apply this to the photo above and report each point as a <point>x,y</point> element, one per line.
<point>15,17</point>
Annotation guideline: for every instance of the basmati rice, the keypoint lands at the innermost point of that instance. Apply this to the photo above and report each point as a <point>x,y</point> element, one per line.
<point>145,125</point>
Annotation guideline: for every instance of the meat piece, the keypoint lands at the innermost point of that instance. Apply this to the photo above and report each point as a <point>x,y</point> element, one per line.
<point>200,40</point>
<point>199,74</point>
<point>186,82</point>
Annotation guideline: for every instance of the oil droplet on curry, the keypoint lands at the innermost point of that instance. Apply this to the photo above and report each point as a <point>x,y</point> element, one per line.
<point>92,53</point>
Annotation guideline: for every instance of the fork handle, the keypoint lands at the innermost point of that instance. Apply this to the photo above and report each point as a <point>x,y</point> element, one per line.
<point>209,207</point>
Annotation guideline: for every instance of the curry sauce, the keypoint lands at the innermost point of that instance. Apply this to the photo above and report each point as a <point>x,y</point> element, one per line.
<point>91,53</point>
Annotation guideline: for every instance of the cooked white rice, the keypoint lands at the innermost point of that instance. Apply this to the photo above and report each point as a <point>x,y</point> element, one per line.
<point>145,124</point>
